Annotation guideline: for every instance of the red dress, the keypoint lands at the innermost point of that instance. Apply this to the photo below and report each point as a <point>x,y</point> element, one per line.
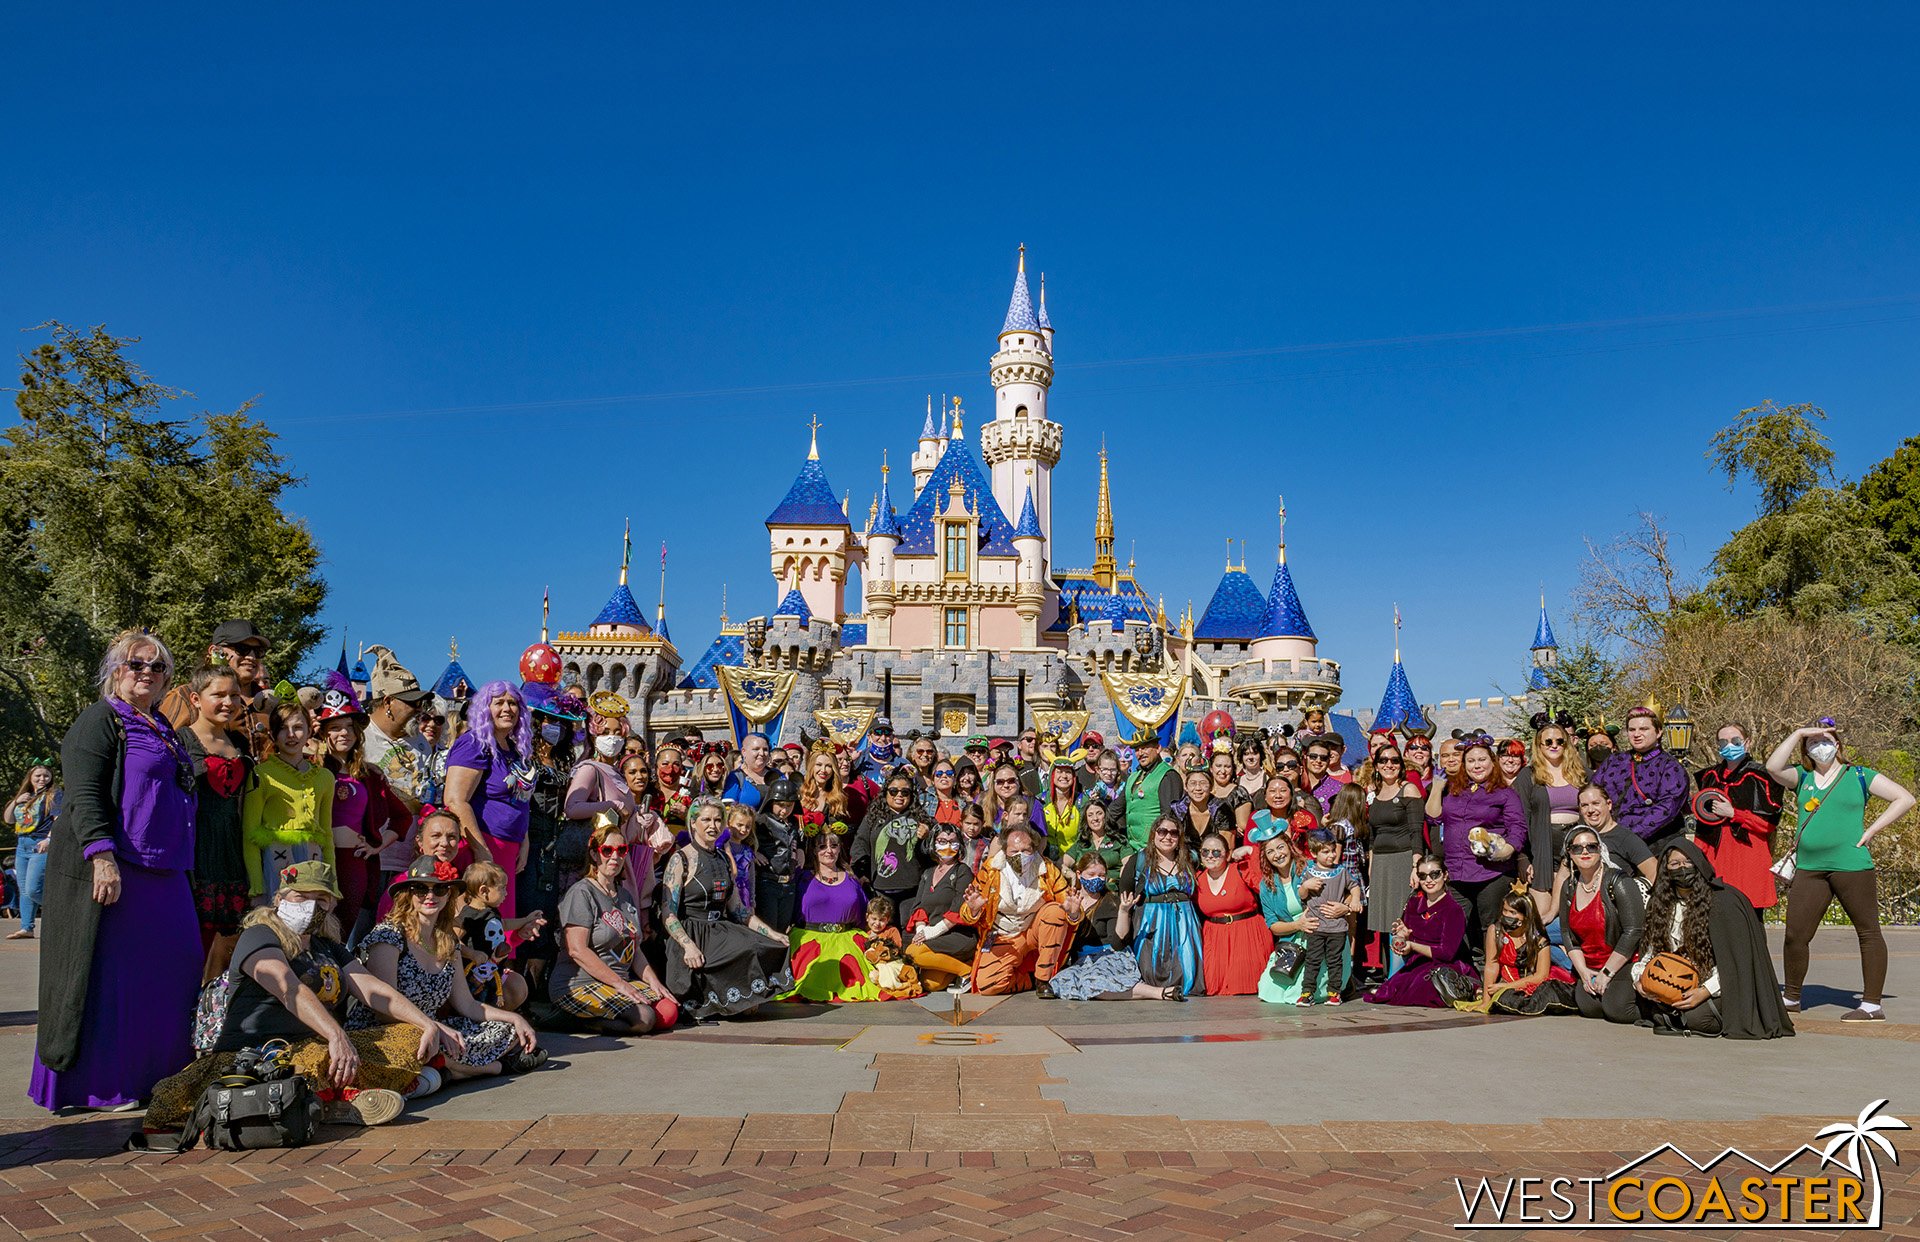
<point>1232,954</point>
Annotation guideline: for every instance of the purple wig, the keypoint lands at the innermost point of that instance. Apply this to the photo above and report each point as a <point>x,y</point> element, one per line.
<point>480,719</point>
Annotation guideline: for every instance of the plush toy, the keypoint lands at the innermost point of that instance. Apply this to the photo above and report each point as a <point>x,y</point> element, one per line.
<point>895,976</point>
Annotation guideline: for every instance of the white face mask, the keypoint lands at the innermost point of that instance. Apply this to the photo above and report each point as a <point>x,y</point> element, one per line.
<point>1823,752</point>
<point>297,913</point>
<point>607,745</point>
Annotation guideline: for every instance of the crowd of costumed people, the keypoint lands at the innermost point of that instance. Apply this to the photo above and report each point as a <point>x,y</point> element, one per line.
<point>397,892</point>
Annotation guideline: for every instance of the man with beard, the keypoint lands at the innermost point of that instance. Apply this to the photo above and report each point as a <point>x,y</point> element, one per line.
<point>1692,913</point>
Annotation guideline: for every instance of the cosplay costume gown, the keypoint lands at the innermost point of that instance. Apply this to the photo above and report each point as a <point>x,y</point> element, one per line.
<point>829,942</point>
<point>1280,903</point>
<point>1169,931</point>
<point>1440,923</point>
<point>742,968</point>
<point>1749,1000</point>
<point>1234,940</point>
<point>1742,851</point>
<point>1101,964</point>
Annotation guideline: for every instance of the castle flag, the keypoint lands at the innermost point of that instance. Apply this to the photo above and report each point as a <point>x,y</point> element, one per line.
<point>1146,701</point>
<point>756,699</point>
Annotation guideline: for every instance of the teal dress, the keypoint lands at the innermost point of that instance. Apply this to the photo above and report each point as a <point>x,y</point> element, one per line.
<point>1280,903</point>
<point>1169,935</point>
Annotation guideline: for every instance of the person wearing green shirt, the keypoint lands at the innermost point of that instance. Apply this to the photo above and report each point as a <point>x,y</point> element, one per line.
<point>1150,791</point>
<point>1831,859</point>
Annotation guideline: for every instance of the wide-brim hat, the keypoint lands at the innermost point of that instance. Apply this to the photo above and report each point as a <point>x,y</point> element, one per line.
<point>312,876</point>
<point>563,707</point>
<point>426,869</point>
<point>1267,831</point>
<point>1144,737</point>
<point>1705,817</point>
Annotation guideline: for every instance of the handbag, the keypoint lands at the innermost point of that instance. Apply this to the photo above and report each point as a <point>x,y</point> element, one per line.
<point>260,1104</point>
<point>1455,986</point>
<point>1668,977</point>
<point>1285,963</point>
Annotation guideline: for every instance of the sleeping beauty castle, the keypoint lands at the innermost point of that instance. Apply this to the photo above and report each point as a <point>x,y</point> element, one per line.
<point>967,619</point>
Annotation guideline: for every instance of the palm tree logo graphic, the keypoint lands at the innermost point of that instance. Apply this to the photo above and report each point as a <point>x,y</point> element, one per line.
<point>1860,1137</point>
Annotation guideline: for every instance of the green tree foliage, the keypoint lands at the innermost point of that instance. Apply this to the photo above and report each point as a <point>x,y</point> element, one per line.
<point>1580,683</point>
<point>1780,448</point>
<point>1891,493</point>
<point>115,516</point>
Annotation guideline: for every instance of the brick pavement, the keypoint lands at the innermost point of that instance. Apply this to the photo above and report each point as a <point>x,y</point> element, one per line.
<point>944,1146</point>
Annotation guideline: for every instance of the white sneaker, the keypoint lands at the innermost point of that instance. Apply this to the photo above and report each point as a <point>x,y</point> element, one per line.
<point>428,1082</point>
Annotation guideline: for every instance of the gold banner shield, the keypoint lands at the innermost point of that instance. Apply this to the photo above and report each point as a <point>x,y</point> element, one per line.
<point>757,697</point>
<point>844,726</point>
<point>1145,700</point>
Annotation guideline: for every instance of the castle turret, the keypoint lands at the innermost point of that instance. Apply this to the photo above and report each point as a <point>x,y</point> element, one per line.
<point>1399,708</point>
<point>1546,652</point>
<point>1046,324</point>
<point>1020,438</point>
<point>1029,593</point>
<point>810,539</point>
<point>1283,669</point>
<point>927,456</point>
<point>883,540</point>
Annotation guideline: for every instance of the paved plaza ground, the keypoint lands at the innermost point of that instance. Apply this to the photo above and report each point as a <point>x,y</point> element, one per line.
<point>1216,1118</point>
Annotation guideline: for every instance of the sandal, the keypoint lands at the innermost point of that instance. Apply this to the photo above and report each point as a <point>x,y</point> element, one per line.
<point>1172,992</point>
<point>518,1062</point>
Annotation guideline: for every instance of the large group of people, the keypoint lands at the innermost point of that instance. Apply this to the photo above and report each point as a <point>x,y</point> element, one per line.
<point>408,891</point>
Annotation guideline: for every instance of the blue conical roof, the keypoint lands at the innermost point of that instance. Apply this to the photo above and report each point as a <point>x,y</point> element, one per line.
<point>1029,524</point>
<point>927,431</point>
<point>450,677</point>
<point>1116,611</point>
<point>958,462</point>
<point>886,522</point>
<point>1399,709</point>
<point>795,605</point>
<point>1537,678</point>
<point>1284,617</point>
<point>1543,633</point>
<point>729,650</point>
<point>810,501</point>
<point>621,610</point>
<point>661,629</point>
<point>1045,323</point>
<point>1235,610</point>
<point>1020,316</point>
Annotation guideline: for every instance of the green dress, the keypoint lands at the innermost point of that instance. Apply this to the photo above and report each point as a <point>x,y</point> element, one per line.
<point>1280,903</point>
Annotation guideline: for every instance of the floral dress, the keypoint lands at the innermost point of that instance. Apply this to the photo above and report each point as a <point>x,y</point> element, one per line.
<point>487,1041</point>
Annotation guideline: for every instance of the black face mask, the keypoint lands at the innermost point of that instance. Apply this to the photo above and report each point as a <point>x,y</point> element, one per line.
<point>1685,877</point>
<point>1513,924</point>
<point>1596,755</point>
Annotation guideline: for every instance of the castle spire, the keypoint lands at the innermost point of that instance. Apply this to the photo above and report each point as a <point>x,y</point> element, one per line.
<point>546,603</point>
<point>926,429</point>
<point>1020,316</point>
<point>1103,527</point>
<point>959,432</point>
<point>813,446</point>
<point>1282,555</point>
<point>626,551</point>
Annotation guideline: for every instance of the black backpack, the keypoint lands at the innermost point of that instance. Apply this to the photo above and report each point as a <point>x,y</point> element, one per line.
<point>261,1103</point>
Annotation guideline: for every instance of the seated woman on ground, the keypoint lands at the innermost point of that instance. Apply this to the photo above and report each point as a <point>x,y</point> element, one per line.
<point>940,947</point>
<point>722,959</point>
<point>1519,976</point>
<point>1601,915</point>
<point>600,977</point>
<point>1101,965</point>
<point>292,979</point>
<point>416,950</point>
<point>828,941</point>
<point>1694,914</point>
<point>1431,935</point>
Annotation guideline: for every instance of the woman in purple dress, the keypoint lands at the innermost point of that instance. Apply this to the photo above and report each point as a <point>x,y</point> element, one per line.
<point>1431,935</point>
<point>490,778</point>
<point>121,967</point>
<point>830,932</point>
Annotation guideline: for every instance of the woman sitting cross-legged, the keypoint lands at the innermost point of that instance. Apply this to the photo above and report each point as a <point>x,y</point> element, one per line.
<point>1016,902</point>
<point>1519,976</point>
<point>417,950</point>
<point>829,935</point>
<point>1602,914</point>
<point>600,977</point>
<point>1695,915</point>
<point>942,948</point>
<point>292,980</point>
<point>1102,965</point>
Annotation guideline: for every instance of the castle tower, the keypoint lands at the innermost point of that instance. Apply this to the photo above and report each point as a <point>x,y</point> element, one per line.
<point>1103,566</point>
<point>877,579</point>
<point>1546,652</point>
<point>1399,707</point>
<point>619,651</point>
<point>809,540</point>
<point>1029,592</point>
<point>1020,438</point>
<point>1285,633</point>
<point>1283,669</point>
<point>927,456</point>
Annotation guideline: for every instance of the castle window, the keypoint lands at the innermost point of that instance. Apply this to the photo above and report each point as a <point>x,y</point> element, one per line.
<point>956,628</point>
<point>956,547</point>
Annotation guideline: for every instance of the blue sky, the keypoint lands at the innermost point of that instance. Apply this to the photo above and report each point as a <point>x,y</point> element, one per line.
<point>1467,286</point>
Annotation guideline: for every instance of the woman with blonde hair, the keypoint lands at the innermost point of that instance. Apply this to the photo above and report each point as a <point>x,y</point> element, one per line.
<point>822,800</point>
<point>1550,793</point>
<point>417,952</point>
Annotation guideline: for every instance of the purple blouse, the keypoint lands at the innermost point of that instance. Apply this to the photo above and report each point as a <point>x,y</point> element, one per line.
<point>1500,811</point>
<point>501,804</point>
<point>845,902</point>
<point>156,801</point>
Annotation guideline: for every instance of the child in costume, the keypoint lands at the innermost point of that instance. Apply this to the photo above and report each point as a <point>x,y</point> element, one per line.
<point>778,852</point>
<point>287,814</point>
<point>892,973</point>
<point>488,940</point>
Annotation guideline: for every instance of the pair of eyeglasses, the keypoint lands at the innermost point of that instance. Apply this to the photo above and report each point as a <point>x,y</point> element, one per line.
<point>1029,740</point>
<point>1395,760</point>
<point>1316,757</point>
<point>898,793</point>
<point>1288,766</point>
<point>1166,832</point>
<point>613,851</point>
<point>943,772</point>
<point>1553,741</point>
<point>1006,780</point>
<point>1419,746</point>
<point>1213,853</point>
<point>1430,875</point>
<point>141,666</point>
<point>1584,848</point>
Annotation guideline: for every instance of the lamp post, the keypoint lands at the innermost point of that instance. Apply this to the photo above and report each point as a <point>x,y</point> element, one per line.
<point>1676,733</point>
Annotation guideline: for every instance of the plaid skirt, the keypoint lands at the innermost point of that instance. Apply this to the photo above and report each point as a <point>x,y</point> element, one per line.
<point>387,1059</point>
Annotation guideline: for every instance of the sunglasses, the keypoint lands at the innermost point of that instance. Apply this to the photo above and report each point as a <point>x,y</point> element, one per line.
<point>1166,832</point>
<point>1213,853</point>
<point>431,890</point>
<point>1288,766</point>
<point>1420,747</point>
<point>613,851</point>
<point>1395,760</point>
<point>1029,740</point>
<point>1006,780</point>
<point>1430,875</point>
<point>1553,741</point>
<point>1583,848</point>
<point>943,771</point>
<point>898,793</point>
<point>141,666</point>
